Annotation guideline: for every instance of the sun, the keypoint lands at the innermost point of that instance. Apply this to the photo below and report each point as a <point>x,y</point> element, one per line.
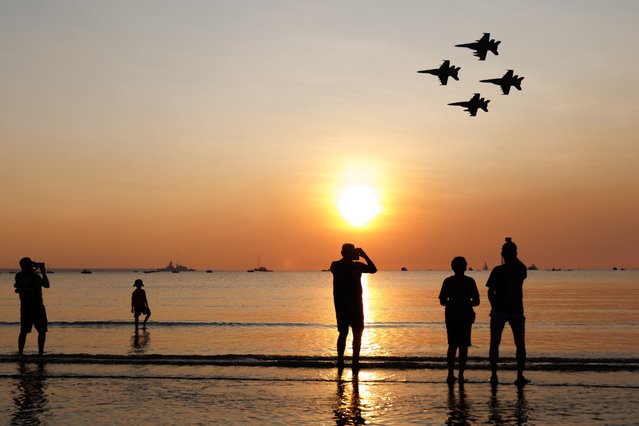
<point>359,204</point>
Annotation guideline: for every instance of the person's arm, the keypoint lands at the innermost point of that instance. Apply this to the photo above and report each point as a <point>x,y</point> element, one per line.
<point>146,302</point>
<point>133,302</point>
<point>45,279</point>
<point>474,294</point>
<point>370,267</point>
<point>443,294</point>
<point>491,288</point>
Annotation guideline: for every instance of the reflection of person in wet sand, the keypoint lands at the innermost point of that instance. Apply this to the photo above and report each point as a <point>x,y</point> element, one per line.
<point>31,402</point>
<point>459,294</point>
<point>347,296</point>
<point>139,304</point>
<point>140,340</point>
<point>348,410</point>
<point>32,311</point>
<point>505,292</point>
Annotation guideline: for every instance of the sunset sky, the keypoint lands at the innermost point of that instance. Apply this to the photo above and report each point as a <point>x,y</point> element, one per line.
<point>213,132</point>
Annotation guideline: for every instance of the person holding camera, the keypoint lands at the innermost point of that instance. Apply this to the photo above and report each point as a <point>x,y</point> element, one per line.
<point>29,286</point>
<point>347,297</point>
<point>505,293</point>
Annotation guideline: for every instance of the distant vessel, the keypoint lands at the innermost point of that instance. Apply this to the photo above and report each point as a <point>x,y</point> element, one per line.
<point>485,268</point>
<point>404,268</point>
<point>208,271</point>
<point>259,267</point>
<point>175,268</point>
<point>85,271</point>
<point>533,267</point>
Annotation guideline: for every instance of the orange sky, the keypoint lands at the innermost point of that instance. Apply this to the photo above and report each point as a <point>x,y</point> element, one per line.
<point>209,134</point>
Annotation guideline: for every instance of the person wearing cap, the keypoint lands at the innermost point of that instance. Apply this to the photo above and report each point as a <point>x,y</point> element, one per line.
<point>29,286</point>
<point>505,293</point>
<point>347,298</point>
<point>458,294</point>
<point>139,304</point>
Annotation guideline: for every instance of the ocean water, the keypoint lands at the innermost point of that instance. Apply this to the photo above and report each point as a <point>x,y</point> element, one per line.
<point>237,347</point>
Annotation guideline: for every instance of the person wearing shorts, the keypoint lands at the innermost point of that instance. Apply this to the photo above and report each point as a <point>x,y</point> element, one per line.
<point>505,293</point>
<point>347,298</point>
<point>458,294</point>
<point>29,284</point>
<point>139,304</point>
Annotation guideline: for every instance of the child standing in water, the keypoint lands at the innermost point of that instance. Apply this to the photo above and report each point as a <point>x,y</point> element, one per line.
<point>139,304</point>
<point>458,294</point>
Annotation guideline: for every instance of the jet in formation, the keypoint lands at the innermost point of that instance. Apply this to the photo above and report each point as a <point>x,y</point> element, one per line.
<point>482,46</point>
<point>506,82</point>
<point>475,103</point>
<point>443,72</point>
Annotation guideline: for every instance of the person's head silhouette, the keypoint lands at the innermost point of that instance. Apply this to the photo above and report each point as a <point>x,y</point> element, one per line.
<point>459,265</point>
<point>509,250</point>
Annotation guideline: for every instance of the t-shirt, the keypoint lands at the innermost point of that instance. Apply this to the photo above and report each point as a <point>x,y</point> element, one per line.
<point>347,280</point>
<point>29,286</point>
<point>459,293</point>
<point>507,281</point>
<point>138,299</point>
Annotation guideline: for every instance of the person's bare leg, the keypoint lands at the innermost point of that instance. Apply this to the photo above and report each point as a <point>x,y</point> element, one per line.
<point>136,317</point>
<point>22,339</point>
<point>42,338</point>
<point>463,357</point>
<point>519,334</point>
<point>450,360</point>
<point>496,329</point>
<point>146,319</point>
<point>357,345</point>
<point>341,347</point>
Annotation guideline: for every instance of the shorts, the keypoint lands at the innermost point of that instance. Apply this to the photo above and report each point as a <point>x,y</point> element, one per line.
<point>507,317</point>
<point>33,316</point>
<point>458,333</point>
<point>349,315</point>
<point>138,312</point>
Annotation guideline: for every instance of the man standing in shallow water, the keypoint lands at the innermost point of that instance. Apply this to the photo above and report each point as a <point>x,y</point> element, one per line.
<point>347,297</point>
<point>506,296</point>
<point>32,312</point>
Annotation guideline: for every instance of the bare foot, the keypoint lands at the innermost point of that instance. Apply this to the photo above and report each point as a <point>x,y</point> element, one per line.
<point>451,379</point>
<point>521,381</point>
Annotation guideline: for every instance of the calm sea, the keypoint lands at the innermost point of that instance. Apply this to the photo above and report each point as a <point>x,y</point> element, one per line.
<point>258,342</point>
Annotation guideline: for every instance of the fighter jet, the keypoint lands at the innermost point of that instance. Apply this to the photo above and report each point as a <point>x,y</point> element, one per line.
<point>443,72</point>
<point>473,104</point>
<point>506,82</point>
<point>482,46</point>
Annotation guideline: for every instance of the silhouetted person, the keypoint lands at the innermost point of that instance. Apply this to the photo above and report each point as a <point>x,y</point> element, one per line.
<point>505,292</point>
<point>32,311</point>
<point>347,297</point>
<point>139,304</point>
<point>459,294</point>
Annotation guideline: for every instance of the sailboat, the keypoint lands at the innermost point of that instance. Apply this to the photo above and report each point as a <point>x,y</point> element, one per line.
<point>485,268</point>
<point>259,267</point>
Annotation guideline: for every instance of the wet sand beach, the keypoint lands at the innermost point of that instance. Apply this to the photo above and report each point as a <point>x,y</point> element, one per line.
<point>59,393</point>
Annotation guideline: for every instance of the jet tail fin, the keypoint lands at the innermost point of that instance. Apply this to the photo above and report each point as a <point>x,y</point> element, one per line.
<point>493,47</point>
<point>485,106</point>
<point>518,83</point>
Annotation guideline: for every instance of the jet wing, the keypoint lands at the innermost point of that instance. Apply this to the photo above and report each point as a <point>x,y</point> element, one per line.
<point>481,54</point>
<point>505,88</point>
<point>443,78</point>
<point>472,110</point>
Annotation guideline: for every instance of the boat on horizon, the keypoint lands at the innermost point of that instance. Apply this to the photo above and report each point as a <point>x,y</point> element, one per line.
<point>86,271</point>
<point>259,268</point>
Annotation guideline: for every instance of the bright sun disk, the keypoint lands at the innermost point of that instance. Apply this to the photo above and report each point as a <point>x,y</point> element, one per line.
<point>359,205</point>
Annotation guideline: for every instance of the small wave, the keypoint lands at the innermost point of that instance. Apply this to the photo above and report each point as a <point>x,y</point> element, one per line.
<point>319,362</point>
<point>123,323</point>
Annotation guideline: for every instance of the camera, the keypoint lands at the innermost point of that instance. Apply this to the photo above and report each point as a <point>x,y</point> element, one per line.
<point>38,265</point>
<point>357,253</point>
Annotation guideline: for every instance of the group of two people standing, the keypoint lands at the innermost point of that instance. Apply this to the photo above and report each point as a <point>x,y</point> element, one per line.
<point>29,284</point>
<point>458,294</point>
